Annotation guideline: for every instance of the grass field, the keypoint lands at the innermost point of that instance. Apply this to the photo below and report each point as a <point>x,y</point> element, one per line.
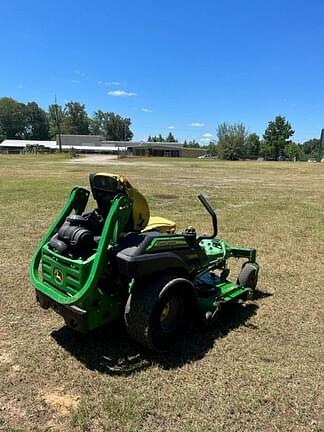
<point>261,369</point>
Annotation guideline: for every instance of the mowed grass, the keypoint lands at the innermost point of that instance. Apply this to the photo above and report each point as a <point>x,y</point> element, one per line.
<point>260,369</point>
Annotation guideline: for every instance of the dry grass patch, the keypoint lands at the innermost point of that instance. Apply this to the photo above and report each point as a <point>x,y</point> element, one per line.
<point>62,403</point>
<point>260,369</point>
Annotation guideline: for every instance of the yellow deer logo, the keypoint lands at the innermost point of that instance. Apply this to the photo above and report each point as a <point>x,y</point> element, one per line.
<point>58,275</point>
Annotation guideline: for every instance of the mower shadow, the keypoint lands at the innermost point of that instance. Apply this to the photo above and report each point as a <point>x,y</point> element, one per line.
<point>110,350</point>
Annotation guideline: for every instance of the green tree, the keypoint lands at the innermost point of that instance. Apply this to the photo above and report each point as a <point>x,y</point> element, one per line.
<point>276,136</point>
<point>293,151</point>
<point>156,138</point>
<point>212,148</point>
<point>231,140</point>
<point>193,144</point>
<point>36,122</point>
<point>76,120</point>
<point>265,149</point>
<point>12,118</point>
<point>2,135</point>
<point>18,120</point>
<point>56,115</point>
<point>98,123</point>
<point>311,147</point>
<point>252,146</point>
<point>170,138</point>
<point>112,126</point>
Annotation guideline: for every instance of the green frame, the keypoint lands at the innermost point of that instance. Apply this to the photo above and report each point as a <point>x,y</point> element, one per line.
<point>219,252</point>
<point>84,273</point>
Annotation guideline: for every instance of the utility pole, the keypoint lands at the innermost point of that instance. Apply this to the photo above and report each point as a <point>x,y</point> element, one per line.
<point>321,146</point>
<point>124,122</point>
<point>58,125</point>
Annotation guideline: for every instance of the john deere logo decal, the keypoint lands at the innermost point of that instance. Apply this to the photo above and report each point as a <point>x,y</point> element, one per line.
<point>58,275</point>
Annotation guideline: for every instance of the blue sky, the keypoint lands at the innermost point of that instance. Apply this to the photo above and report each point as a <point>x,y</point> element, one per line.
<point>183,66</point>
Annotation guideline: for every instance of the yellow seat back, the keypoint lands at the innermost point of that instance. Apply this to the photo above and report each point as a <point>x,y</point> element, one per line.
<point>105,186</point>
<point>157,223</point>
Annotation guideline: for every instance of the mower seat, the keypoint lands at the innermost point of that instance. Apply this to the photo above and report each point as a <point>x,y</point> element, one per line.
<point>105,187</point>
<point>160,224</point>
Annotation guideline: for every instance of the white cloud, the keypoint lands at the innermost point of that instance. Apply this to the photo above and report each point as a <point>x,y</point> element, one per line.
<point>204,140</point>
<point>197,124</point>
<point>77,72</point>
<point>75,81</point>
<point>148,110</point>
<point>207,135</point>
<point>20,86</point>
<point>121,93</point>
<point>171,127</point>
<point>108,83</point>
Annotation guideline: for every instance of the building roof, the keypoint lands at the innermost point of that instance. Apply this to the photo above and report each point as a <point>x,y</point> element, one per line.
<point>92,147</point>
<point>164,145</point>
<point>82,136</point>
<point>24,143</point>
<point>101,146</point>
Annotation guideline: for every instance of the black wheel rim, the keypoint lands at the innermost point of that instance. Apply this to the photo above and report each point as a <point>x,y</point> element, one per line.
<point>171,314</point>
<point>171,319</point>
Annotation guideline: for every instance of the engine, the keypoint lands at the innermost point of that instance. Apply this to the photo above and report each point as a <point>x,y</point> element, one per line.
<point>78,236</point>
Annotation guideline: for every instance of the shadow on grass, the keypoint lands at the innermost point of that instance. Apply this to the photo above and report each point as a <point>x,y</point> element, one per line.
<point>258,294</point>
<point>110,350</point>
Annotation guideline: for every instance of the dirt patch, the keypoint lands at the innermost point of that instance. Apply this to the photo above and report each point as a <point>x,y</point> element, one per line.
<point>92,159</point>
<point>63,404</point>
<point>113,160</point>
<point>5,358</point>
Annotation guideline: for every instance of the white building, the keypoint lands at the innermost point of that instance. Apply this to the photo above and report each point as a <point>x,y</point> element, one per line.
<point>97,144</point>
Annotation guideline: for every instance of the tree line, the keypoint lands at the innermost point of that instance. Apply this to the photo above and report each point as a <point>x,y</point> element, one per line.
<point>234,142</point>
<point>159,138</point>
<point>30,121</point>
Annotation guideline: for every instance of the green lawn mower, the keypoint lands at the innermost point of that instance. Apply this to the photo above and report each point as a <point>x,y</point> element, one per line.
<point>93,267</point>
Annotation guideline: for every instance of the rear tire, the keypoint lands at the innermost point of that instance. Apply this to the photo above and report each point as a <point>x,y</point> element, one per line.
<point>160,312</point>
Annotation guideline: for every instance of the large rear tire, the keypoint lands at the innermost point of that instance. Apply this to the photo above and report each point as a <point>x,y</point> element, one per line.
<point>160,312</point>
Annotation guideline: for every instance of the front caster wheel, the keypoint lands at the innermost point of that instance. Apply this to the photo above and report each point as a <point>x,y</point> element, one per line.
<point>248,278</point>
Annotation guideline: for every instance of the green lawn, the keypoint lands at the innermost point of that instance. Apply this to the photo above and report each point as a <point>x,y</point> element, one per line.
<point>261,369</point>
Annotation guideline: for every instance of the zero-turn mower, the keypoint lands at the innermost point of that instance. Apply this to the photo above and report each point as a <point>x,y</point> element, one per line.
<point>93,267</point>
